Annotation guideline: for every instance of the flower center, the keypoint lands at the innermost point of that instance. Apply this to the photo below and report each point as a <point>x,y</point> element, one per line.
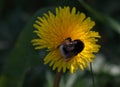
<point>71,48</point>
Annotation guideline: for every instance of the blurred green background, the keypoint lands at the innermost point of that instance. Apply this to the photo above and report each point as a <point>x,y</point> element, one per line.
<point>22,66</point>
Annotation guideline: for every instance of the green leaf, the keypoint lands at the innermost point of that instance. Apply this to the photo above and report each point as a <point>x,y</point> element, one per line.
<point>22,57</point>
<point>96,14</point>
<point>113,23</point>
<point>106,19</point>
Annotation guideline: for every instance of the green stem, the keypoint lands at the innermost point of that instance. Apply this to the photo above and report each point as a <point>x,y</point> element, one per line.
<point>93,80</point>
<point>57,80</point>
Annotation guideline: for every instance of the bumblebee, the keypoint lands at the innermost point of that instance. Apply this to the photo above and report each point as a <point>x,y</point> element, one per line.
<point>69,48</point>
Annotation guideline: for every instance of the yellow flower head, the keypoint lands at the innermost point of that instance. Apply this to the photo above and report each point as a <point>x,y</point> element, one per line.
<point>68,37</point>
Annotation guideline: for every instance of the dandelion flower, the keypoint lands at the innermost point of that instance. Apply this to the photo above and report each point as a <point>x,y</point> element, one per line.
<point>68,37</point>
